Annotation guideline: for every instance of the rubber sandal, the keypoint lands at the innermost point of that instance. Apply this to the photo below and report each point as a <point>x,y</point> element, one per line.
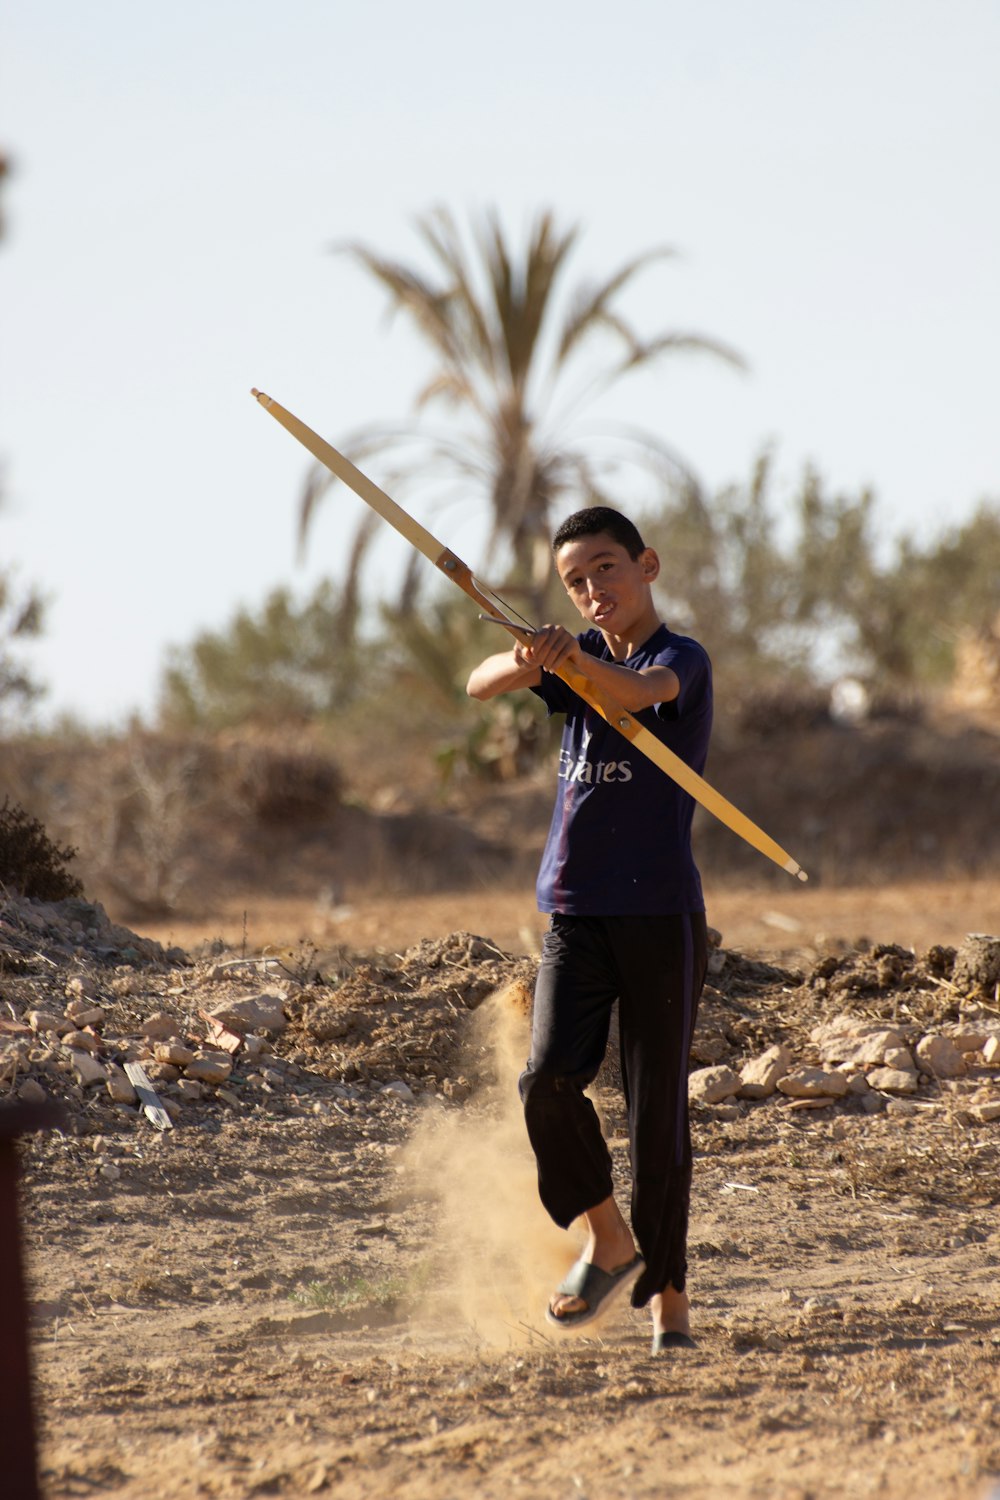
<point>664,1341</point>
<point>597,1288</point>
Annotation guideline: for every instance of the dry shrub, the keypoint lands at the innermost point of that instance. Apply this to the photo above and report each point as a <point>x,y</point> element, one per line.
<point>152,814</point>
<point>280,784</point>
<point>30,862</point>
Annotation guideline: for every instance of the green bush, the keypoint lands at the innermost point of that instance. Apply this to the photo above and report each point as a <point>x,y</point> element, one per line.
<point>29,861</point>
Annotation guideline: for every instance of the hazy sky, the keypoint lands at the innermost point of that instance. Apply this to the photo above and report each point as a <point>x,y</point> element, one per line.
<point>829,174</point>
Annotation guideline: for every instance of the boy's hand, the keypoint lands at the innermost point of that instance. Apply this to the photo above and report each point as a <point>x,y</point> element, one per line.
<point>550,647</point>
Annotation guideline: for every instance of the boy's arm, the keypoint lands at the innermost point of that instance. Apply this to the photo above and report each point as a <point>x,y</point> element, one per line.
<point>552,646</point>
<point>503,673</point>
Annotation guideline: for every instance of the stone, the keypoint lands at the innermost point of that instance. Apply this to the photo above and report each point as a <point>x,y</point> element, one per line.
<point>15,1058</point>
<point>31,1092</point>
<point>899,1057</point>
<point>709,1047</point>
<point>31,918</point>
<point>159,1027</point>
<point>991,1051</point>
<point>109,1171</point>
<point>966,1040</point>
<point>190,1089</point>
<point>857,1083</point>
<point>712,1085</point>
<point>759,1077</point>
<point>987,1112</point>
<point>119,1085</point>
<point>173,1052</point>
<point>210,1067</point>
<point>813,1083</point>
<point>853,1050</point>
<point>398,1087</point>
<point>81,990</point>
<point>45,1020</point>
<point>228,1097</point>
<point>939,1056</point>
<point>820,1101</point>
<point>84,1041</point>
<point>893,1080</point>
<point>839,1027</point>
<point>728,1114</point>
<point>162,1072</point>
<point>257,1046</point>
<point>263,1012</point>
<point>85,1013</point>
<point>87,1069</point>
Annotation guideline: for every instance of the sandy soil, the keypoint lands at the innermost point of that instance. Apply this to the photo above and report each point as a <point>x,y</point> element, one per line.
<point>326,1288</point>
<point>790,920</point>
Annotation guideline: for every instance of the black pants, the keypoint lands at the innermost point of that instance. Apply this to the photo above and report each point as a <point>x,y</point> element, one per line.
<point>654,967</point>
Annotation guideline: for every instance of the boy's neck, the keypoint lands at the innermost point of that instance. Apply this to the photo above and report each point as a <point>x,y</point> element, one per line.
<point>622,647</point>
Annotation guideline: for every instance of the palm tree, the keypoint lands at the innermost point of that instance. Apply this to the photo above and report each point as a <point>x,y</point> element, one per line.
<point>511,362</point>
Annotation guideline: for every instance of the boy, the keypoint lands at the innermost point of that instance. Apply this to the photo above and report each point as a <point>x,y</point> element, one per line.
<point>627,923</point>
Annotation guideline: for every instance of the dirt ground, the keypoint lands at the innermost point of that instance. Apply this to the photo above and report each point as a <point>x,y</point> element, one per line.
<point>790,921</point>
<point>329,1278</point>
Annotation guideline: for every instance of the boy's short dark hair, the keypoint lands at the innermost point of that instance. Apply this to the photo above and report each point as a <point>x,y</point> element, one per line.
<point>600,518</point>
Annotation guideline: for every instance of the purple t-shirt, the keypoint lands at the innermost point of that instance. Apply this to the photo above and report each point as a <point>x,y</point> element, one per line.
<point>619,843</point>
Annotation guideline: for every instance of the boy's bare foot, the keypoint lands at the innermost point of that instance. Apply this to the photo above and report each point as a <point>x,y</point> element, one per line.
<point>609,1247</point>
<point>671,1312</point>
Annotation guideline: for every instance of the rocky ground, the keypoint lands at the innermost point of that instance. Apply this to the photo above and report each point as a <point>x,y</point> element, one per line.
<point>285,1240</point>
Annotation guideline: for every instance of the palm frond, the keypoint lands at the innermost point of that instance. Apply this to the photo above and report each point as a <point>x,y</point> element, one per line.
<point>423,303</point>
<point>523,294</point>
<point>590,307</point>
<point>682,343</point>
<point>468,319</point>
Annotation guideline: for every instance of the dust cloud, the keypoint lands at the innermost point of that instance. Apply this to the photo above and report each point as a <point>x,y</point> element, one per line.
<point>496,1255</point>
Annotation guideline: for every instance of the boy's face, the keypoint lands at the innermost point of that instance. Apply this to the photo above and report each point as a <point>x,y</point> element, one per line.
<point>609,588</point>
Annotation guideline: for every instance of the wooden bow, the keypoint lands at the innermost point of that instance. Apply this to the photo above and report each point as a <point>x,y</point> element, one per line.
<point>453,567</point>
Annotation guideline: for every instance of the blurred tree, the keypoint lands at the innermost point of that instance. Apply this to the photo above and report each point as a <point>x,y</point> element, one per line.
<point>725,576</point>
<point>4,174</point>
<point>516,363</point>
<point>288,662</point>
<point>911,614</point>
<point>20,620</point>
<point>794,586</point>
<point>20,610</point>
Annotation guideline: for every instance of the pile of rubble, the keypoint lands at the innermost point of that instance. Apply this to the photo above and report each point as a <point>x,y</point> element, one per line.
<point>70,931</point>
<point>98,1019</point>
<point>924,1030</point>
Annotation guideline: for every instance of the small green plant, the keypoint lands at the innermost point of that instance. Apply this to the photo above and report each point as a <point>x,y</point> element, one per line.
<point>359,1291</point>
<point>30,862</point>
